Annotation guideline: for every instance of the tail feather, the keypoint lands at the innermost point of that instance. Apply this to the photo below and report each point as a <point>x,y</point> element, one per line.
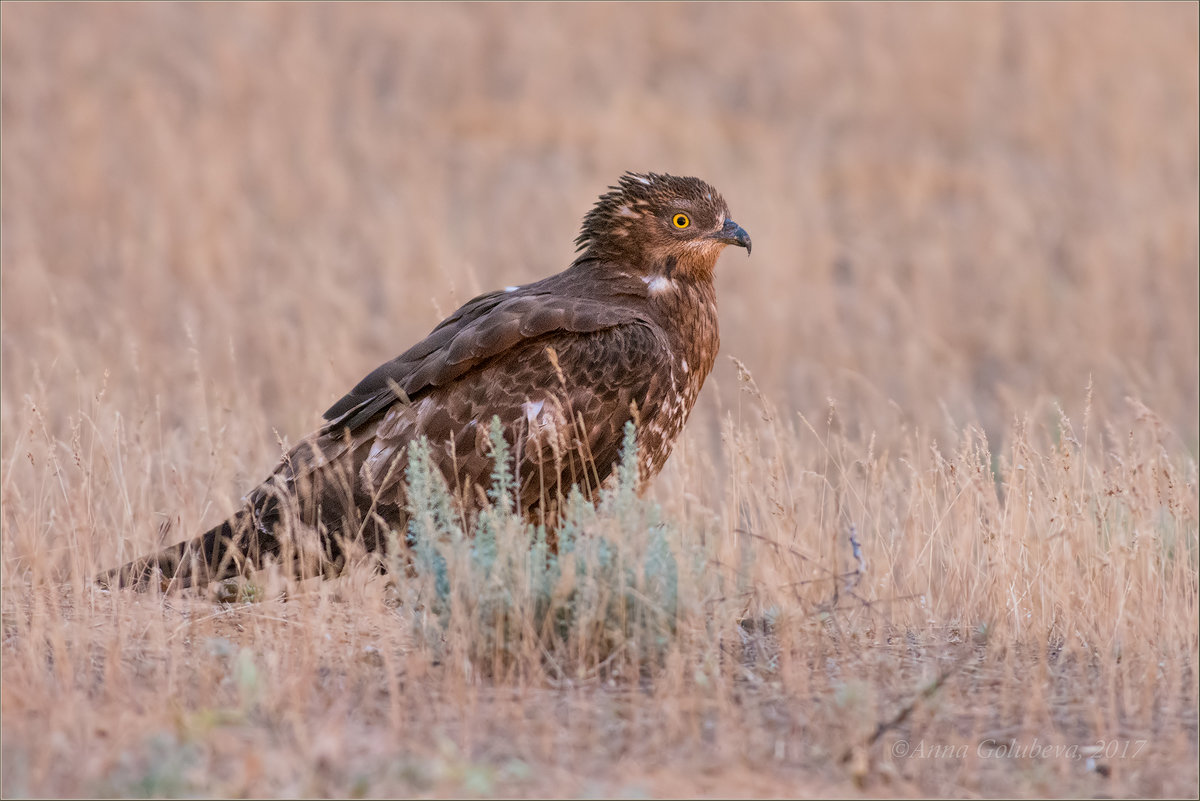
<point>243,542</point>
<point>222,552</point>
<point>310,520</point>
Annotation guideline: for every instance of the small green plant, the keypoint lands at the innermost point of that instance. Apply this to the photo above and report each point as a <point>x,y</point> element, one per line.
<point>605,597</point>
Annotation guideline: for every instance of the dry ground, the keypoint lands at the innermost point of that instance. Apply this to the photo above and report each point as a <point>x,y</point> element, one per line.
<point>969,333</point>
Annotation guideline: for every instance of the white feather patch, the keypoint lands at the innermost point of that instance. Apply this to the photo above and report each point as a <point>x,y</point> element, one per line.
<point>532,410</point>
<point>657,284</point>
<point>380,452</point>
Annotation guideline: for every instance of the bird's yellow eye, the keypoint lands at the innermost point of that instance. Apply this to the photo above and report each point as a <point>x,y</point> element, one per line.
<point>681,221</point>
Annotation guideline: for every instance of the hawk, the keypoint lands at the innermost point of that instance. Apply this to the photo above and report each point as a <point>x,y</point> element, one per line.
<point>627,332</point>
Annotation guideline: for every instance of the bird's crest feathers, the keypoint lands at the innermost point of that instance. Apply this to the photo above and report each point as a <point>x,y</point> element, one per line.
<point>639,194</point>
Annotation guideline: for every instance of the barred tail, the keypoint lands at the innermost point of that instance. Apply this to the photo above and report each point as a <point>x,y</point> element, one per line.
<point>278,522</point>
<point>224,551</point>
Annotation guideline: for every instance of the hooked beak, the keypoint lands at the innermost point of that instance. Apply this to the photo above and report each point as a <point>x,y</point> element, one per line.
<point>733,234</point>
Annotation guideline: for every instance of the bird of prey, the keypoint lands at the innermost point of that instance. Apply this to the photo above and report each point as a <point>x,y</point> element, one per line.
<point>627,332</point>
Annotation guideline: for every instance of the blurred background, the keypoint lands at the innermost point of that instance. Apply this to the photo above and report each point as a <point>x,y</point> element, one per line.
<point>216,218</point>
<point>959,212</point>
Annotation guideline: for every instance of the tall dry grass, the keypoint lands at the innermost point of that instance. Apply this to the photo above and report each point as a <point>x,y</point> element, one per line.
<point>967,341</point>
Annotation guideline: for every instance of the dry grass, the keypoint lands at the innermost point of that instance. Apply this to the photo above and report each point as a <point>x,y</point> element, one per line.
<point>970,317</point>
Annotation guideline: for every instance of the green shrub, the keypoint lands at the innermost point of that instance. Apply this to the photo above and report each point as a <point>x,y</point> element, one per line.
<point>604,600</point>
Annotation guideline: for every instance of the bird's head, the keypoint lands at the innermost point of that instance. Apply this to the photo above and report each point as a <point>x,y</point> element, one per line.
<point>661,224</point>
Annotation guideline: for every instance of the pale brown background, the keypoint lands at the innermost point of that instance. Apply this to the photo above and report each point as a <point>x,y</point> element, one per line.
<point>217,217</point>
<point>968,206</point>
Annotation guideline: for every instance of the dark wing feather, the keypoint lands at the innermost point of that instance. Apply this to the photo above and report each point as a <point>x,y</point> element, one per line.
<point>482,329</point>
<point>566,424</point>
<point>375,392</point>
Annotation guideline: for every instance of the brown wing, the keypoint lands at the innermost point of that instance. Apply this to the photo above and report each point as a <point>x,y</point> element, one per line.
<point>483,328</point>
<point>563,399</point>
<point>487,359</point>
